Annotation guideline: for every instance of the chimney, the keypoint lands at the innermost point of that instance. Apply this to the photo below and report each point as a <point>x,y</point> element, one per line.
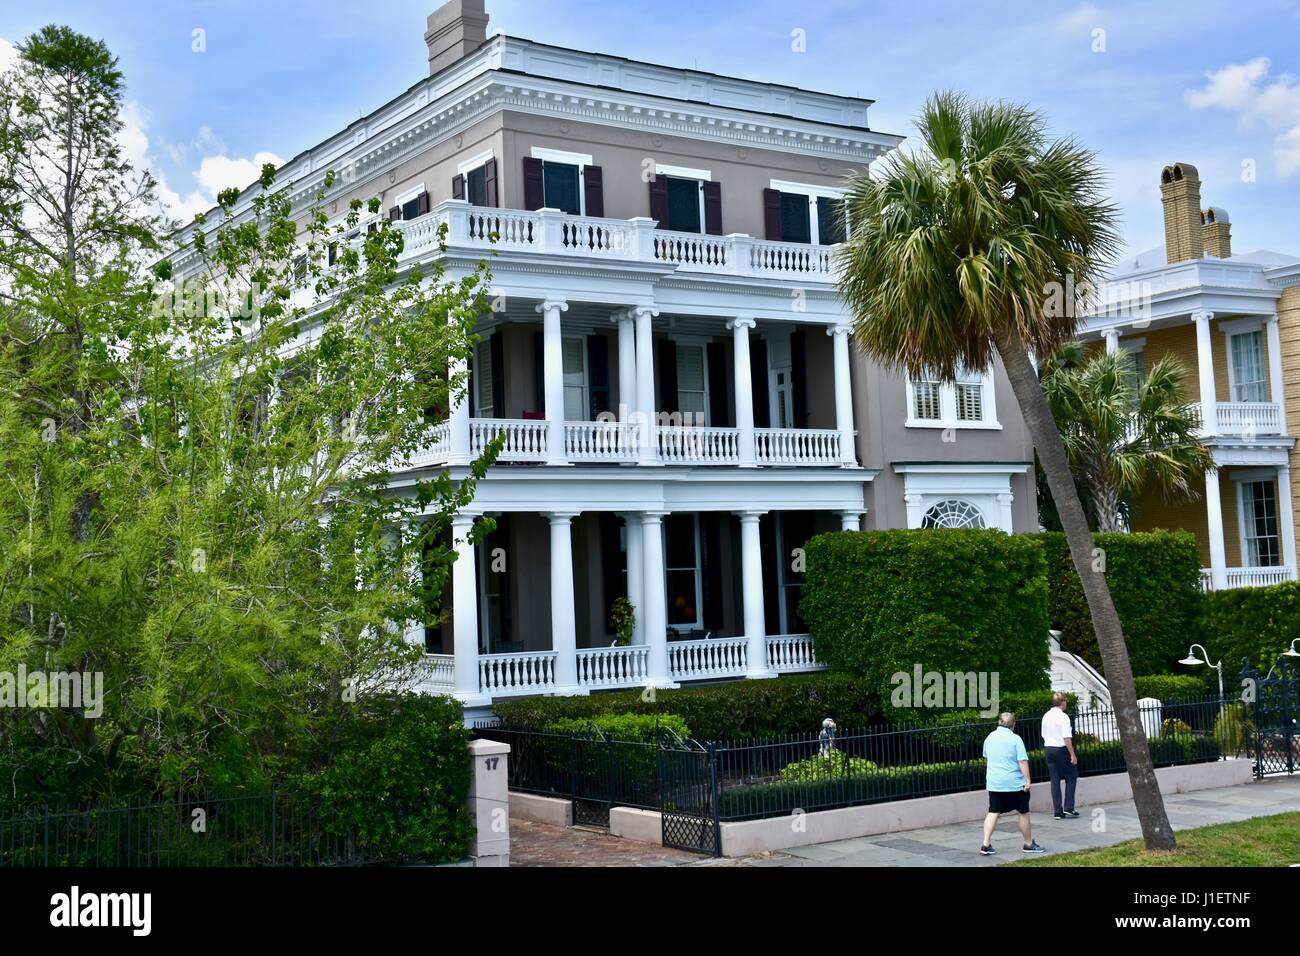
<point>1180,189</point>
<point>1216,233</point>
<point>454,31</point>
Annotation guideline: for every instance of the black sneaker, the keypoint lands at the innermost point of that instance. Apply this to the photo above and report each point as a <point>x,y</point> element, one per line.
<point>1033,848</point>
<point>1072,814</point>
<point>1059,816</point>
<point>987,850</point>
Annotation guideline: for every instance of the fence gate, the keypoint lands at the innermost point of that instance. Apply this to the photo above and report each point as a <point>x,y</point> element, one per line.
<point>1273,726</point>
<point>688,796</point>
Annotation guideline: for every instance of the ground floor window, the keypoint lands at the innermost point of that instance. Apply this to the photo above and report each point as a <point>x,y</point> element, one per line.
<point>1259,525</point>
<point>682,562</point>
<point>793,529</point>
<point>953,513</point>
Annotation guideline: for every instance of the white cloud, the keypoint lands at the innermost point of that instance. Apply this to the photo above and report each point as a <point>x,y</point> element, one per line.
<point>1248,90</point>
<point>8,54</point>
<point>216,173</point>
<point>1085,16</point>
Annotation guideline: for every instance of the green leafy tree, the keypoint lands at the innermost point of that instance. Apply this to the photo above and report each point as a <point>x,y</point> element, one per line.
<point>195,455</point>
<point>956,254</point>
<point>1122,441</point>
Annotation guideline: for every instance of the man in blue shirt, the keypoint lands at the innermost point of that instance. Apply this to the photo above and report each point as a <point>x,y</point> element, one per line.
<point>1007,780</point>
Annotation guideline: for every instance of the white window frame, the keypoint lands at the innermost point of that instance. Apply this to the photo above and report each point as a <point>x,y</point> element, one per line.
<point>700,176</point>
<point>698,623</point>
<point>482,356</point>
<point>948,406</point>
<point>1244,327</point>
<point>701,343</point>
<point>813,193</point>
<point>470,165</point>
<point>1243,480</point>
<point>581,160</point>
<point>586,373</point>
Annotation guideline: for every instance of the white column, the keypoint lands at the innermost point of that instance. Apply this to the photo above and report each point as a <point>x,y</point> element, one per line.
<point>1286,516</point>
<point>1277,392</point>
<point>458,421</point>
<point>645,383</point>
<point>915,513</point>
<point>851,520</point>
<point>1205,365</point>
<point>626,364</point>
<point>1112,340</point>
<point>553,373</point>
<point>464,609</point>
<point>635,575</point>
<point>1005,517</point>
<point>843,395</point>
<point>655,595</point>
<point>740,327</point>
<point>751,564</point>
<point>1214,513</point>
<point>564,620</point>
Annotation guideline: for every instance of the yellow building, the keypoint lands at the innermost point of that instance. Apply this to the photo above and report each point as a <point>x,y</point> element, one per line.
<point>1234,323</point>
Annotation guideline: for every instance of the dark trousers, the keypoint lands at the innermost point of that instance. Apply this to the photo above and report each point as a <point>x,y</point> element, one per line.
<point>1059,768</point>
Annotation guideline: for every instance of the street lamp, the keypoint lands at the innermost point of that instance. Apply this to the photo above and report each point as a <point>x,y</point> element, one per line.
<point>1291,651</point>
<point>1192,660</point>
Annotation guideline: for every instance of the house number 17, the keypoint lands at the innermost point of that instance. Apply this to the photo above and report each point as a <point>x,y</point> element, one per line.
<point>491,762</point>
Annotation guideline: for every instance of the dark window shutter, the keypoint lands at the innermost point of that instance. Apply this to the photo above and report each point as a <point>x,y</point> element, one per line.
<point>593,188</point>
<point>598,369</point>
<point>767,548</point>
<point>713,208</point>
<point>718,390</point>
<point>534,188</point>
<point>667,352</point>
<point>498,359</point>
<point>502,535</point>
<point>422,206</point>
<point>711,559</point>
<point>799,377</point>
<point>758,376</point>
<point>395,213</point>
<point>490,183</point>
<point>539,371</point>
<point>772,214</point>
<point>458,187</point>
<point>659,201</point>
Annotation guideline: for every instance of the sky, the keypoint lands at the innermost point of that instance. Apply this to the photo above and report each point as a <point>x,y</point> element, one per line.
<point>217,87</point>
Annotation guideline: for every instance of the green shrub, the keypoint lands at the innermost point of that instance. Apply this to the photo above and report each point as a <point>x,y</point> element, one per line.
<point>398,780</point>
<point>1233,729</point>
<point>1173,727</point>
<point>1169,687</point>
<point>1254,623</point>
<point>641,728</point>
<point>1035,703</point>
<point>881,602</point>
<point>834,764</point>
<point>742,710</point>
<point>1155,582</point>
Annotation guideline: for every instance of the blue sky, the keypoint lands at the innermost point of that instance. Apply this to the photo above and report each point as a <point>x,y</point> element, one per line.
<point>1143,83</point>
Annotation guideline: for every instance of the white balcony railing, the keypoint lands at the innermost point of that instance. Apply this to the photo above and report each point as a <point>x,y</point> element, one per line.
<point>698,445</point>
<point>797,446</point>
<point>711,657</point>
<point>1249,419</point>
<point>525,438</point>
<point>601,441</point>
<point>792,653</point>
<point>1248,577</point>
<point>505,675</point>
<point>435,674</point>
<point>613,666</point>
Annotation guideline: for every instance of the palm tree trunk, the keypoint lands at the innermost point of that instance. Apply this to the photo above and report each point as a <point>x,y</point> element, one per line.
<point>1156,831</point>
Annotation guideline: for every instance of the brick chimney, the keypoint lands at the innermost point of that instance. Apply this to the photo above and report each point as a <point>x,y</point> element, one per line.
<point>454,31</point>
<point>1216,233</point>
<point>1180,189</point>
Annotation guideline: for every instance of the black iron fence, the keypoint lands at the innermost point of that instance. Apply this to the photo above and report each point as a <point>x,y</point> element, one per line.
<point>269,829</point>
<point>753,779</point>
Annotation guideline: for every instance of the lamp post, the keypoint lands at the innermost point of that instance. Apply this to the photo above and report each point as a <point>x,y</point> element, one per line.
<point>1192,660</point>
<point>1291,651</point>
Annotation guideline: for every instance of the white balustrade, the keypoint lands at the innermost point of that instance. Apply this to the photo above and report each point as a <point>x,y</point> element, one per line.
<point>797,446</point>
<point>503,675</point>
<point>1249,577</point>
<point>505,228</point>
<point>613,666</point>
<point>711,657</point>
<point>598,237</point>
<point>692,249</point>
<point>792,259</point>
<point>791,653</point>
<point>525,438</point>
<point>435,674</point>
<point>1249,418</point>
<point>601,441</point>
<point>698,445</point>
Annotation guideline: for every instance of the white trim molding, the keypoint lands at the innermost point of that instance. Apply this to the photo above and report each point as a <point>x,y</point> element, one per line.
<point>561,156</point>
<point>985,486</point>
<point>683,172</point>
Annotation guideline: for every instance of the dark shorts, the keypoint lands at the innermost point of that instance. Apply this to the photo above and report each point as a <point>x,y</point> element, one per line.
<point>1006,801</point>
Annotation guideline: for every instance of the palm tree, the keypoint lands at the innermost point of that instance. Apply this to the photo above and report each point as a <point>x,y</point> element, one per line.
<point>955,252</point>
<point>1122,440</point>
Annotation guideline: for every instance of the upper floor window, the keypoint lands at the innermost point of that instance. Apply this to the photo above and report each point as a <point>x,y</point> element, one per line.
<point>686,200</point>
<point>570,182</point>
<point>1248,380</point>
<point>966,402</point>
<point>692,384</point>
<point>795,212</point>
<point>476,181</point>
<point>1259,524</point>
<point>410,205</point>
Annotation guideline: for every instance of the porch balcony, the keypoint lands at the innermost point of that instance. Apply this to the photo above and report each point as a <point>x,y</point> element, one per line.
<point>1247,577</point>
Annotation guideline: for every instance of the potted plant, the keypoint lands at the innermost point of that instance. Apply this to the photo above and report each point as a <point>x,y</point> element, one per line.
<point>622,620</point>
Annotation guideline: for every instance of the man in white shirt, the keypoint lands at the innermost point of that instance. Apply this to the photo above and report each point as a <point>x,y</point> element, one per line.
<point>1062,761</point>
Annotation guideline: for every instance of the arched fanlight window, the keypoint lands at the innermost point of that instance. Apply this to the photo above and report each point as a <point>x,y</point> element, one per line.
<point>953,513</point>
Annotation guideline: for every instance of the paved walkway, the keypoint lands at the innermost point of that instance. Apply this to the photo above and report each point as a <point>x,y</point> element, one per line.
<point>540,844</point>
<point>958,844</point>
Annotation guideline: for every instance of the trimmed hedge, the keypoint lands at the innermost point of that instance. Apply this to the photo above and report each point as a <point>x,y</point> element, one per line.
<point>640,728</point>
<point>881,602</point>
<point>1255,623</point>
<point>1155,582</point>
<point>746,709</point>
<point>1171,687</point>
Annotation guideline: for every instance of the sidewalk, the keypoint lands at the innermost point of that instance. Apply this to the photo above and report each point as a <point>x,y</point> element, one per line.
<point>958,844</point>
